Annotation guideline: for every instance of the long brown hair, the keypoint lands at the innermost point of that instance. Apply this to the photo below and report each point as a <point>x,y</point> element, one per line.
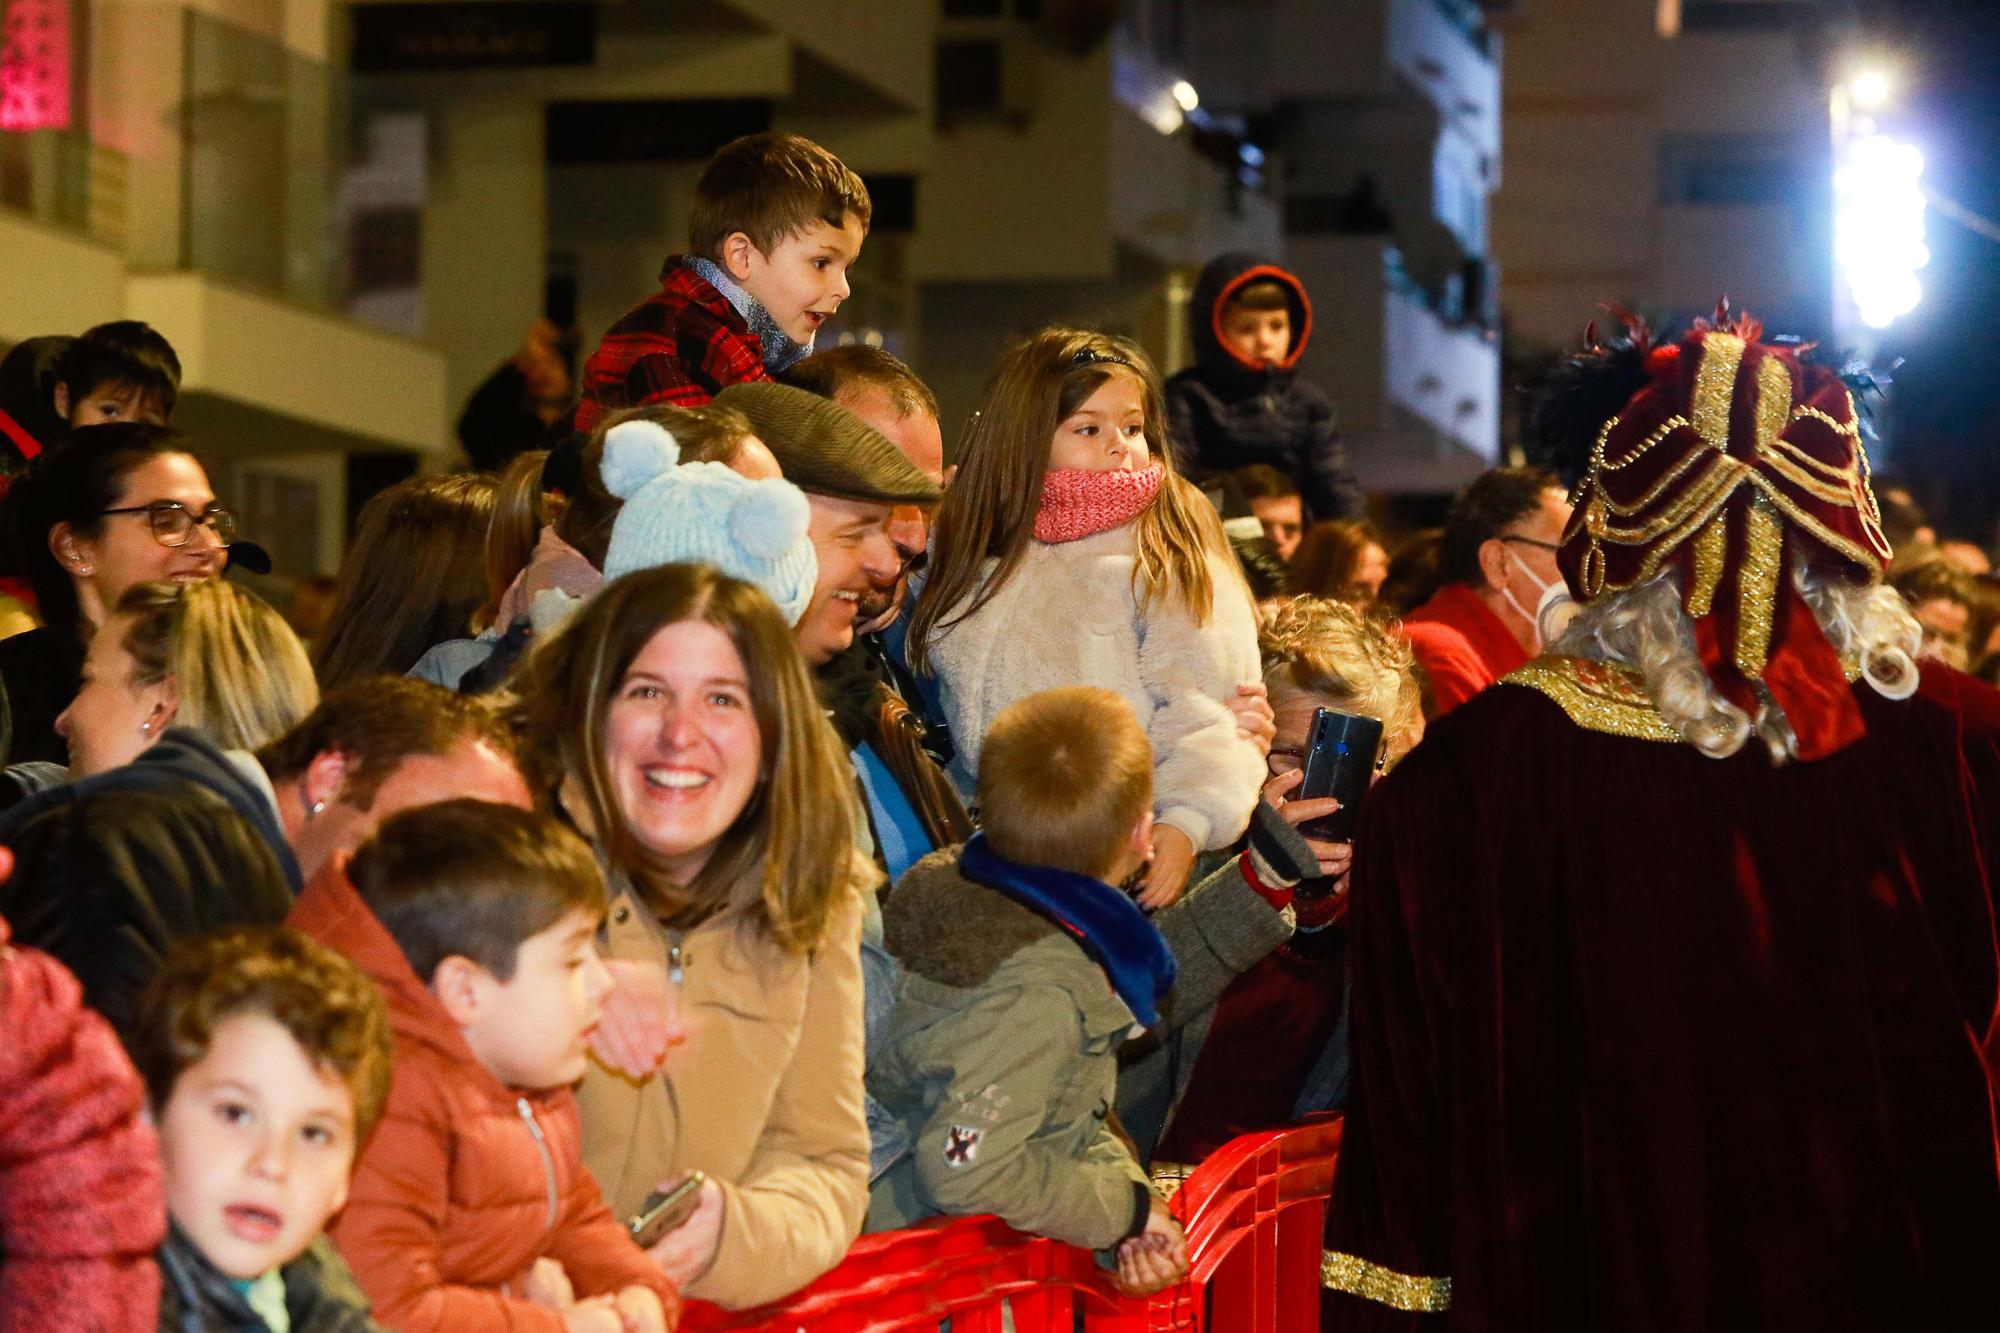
<point>989,511</point>
<point>514,529</point>
<point>786,860</point>
<point>415,573</point>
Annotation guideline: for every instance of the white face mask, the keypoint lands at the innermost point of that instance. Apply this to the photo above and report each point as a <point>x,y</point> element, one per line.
<point>1549,617</point>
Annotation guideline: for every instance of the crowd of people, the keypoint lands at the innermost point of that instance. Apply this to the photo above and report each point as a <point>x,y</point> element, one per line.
<point>717,828</point>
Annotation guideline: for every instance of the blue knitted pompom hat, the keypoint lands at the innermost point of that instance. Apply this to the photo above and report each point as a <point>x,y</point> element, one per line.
<point>703,513</point>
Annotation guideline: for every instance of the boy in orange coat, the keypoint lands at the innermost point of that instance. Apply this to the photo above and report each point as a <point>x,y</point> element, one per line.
<point>471,1209</point>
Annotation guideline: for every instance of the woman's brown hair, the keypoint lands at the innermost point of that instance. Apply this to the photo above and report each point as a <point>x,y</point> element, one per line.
<point>1329,556</point>
<point>413,576</point>
<point>511,534</point>
<point>989,511</point>
<point>786,859</point>
<point>705,435</point>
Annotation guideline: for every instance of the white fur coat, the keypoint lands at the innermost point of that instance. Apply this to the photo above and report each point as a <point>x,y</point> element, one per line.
<point>1070,616</point>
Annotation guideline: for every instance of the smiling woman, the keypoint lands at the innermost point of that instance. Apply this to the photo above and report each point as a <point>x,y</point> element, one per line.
<point>688,743</point>
<point>111,507</point>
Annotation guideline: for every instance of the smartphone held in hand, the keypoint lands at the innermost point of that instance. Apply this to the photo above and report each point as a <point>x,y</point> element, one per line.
<point>664,1210</point>
<point>1341,752</point>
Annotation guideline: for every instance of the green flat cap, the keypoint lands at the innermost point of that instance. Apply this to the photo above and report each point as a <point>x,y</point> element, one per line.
<point>825,448</point>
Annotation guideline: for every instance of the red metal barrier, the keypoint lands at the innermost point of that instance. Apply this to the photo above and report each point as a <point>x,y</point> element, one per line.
<point>1253,1214</point>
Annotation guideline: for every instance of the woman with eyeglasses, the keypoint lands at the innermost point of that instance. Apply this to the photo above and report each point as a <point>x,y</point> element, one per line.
<point>111,507</point>
<point>1276,1046</point>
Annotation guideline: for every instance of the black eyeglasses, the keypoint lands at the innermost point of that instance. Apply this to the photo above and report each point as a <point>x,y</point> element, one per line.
<point>1530,541</point>
<point>174,523</point>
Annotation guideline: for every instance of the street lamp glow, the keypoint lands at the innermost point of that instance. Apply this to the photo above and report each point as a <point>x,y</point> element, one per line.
<point>1879,226</point>
<point>1185,95</point>
<point>1871,89</point>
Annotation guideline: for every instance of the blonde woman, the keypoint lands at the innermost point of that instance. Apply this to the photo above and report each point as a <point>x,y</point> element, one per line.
<point>205,657</point>
<point>1277,1046</point>
<point>687,743</point>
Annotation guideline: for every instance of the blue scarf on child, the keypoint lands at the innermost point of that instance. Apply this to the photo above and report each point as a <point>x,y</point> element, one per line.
<point>1107,925</point>
<point>781,351</point>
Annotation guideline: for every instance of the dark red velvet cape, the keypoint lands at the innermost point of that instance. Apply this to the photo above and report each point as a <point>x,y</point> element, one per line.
<point>1645,1040</point>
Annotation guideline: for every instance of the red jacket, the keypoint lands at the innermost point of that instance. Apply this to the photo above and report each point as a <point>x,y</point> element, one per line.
<point>465,1182</point>
<point>1462,646</point>
<point>81,1204</point>
<point>681,346</point>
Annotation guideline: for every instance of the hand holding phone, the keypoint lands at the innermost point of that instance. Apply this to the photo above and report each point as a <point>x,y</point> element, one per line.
<point>1341,750</point>
<point>663,1210</point>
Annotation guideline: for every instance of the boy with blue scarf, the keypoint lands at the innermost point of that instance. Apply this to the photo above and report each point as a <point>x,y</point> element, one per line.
<point>1025,970</point>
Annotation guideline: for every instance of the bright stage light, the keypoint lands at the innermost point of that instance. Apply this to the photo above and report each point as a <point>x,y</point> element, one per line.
<point>1185,95</point>
<point>1871,89</point>
<point>1879,227</point>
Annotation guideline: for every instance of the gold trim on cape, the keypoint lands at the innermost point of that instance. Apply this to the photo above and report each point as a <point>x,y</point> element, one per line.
<point>1385,1286</point>
<point>1598,696</point>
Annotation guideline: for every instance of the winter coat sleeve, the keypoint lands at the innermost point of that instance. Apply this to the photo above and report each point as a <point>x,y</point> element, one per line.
<point>391,1233</point>
<point>81,1202</point>
<point>1206,776</point>
<point>1216,932</point>
<point>793,1213</point>
<point>1330,487</point>
<point>597,1252</point>
<point>998,1090</point>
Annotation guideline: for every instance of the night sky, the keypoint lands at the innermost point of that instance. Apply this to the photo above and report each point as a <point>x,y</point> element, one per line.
<point>1946,401</point>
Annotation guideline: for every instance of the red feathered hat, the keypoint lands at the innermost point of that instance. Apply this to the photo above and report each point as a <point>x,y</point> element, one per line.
<point>1733,453</point>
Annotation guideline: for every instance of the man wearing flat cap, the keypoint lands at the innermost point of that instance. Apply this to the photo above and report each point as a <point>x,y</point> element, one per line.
<point>855,479</point>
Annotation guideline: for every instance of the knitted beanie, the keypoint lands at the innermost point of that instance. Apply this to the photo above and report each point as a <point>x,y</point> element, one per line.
<point>703,513</point>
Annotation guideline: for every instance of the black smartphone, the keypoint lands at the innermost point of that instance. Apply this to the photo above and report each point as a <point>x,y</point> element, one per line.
<point>664,1210</point>
<point>1340,759</point>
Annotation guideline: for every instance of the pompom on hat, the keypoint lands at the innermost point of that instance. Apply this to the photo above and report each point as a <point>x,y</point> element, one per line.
<point>703,513</point>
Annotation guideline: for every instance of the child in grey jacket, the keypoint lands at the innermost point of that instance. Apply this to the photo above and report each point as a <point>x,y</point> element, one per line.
<point>1024,972</point>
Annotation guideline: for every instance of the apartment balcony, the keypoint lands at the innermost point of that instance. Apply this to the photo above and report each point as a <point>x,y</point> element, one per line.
<point>1418,389</point>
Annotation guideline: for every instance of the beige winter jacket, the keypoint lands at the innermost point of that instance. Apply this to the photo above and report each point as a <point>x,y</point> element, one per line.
<point>1070,616</point>
<point>764,1096</point>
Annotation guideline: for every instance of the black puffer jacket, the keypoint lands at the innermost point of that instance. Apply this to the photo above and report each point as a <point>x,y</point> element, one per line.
<point>112,871</point>
<point>320,1294</point>
<point>1224,413</point>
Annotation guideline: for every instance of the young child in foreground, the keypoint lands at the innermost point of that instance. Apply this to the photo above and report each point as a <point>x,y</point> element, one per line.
<point>1025,972</point>
<point>471,1208</point>
<point>266,1061</point>
<point>776,224</point>
<point>1068,549</point>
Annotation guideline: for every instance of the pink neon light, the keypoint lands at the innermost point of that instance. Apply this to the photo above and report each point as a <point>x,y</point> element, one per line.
<point>34,65</point>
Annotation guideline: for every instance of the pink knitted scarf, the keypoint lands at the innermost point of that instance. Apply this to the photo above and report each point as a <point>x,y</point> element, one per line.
<point>1077,502</point>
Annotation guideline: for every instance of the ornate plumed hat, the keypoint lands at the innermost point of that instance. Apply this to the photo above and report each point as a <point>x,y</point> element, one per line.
<point>1727,458</point>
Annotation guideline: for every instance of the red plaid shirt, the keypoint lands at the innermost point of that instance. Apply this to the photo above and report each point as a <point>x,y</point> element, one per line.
<point>680,346</point>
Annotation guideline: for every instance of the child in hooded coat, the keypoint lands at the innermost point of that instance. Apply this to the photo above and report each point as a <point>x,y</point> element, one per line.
<point>1242,401</point>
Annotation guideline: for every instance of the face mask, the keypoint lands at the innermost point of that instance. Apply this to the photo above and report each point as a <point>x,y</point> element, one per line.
<point>1545,605</point>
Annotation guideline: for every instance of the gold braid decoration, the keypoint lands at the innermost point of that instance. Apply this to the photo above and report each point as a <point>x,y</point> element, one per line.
<point>1638,451</point>
<point>1385,1286</point>
<point>1715,387</point>
<point>1774,402</point>
<point>1598,696</point>
<point>1709,549</point>
<point>1849,427</point>
<point>1757,586</point>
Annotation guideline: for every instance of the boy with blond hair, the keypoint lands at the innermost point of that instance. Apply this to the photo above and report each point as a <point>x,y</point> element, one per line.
<point>266,1062</point>
<point>777,222</point>
<point>1026,970</point>
<point>471,1208</point>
